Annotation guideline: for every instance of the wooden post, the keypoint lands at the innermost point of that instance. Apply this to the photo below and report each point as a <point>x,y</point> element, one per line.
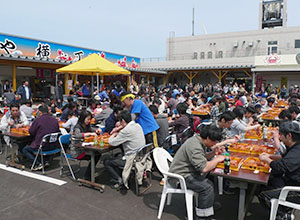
<point>128,83</point>
<point>14,76</point>
<point>164,80</point>
<point>66,84</point>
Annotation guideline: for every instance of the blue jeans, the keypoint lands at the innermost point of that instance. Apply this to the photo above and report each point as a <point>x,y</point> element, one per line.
<point>29,152</point>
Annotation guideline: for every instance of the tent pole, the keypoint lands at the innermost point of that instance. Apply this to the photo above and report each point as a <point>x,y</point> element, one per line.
<point>92,85</point>
<point>97,90</point>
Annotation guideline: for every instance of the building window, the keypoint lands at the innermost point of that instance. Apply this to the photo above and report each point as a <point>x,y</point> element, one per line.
<point>202,55</point>
<point>297,43</point>
<point>274,42</point>
<point>272,47</point>
<point>219,54</point>
<point>209,55</point>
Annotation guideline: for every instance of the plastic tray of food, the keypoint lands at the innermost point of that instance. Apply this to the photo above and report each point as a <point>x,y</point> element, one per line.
<point>254,134</point>
<point>254,163</point>
<point>240,148</point>
<point>105,137</point>
<point>235,163</point>
<point>24,130</point>
<point>258,149</point>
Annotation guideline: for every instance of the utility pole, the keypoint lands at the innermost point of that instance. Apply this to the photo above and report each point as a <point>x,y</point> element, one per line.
<point>193,22</point>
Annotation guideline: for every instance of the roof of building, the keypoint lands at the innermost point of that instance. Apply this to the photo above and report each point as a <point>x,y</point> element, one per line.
<point>142,70</point>
<point>187,68</point>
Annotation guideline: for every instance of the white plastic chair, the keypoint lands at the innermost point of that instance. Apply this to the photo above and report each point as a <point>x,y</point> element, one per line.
<point>282,201</point>
<point>162,159</point>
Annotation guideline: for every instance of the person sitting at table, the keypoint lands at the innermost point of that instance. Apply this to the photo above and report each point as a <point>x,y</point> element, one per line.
<point>193,163</point>
<point>285,168</point>
<point>163,124</point>
<point>131,137</point>
<point>171,104</point>
<point>82,130</point>
<point>182,122</point>
<point>104,94</point>
<point>160,104</point>
<point>239,127</point>
<point>295,112</point>
<point>14,118</point>
<point>285,115</point>
<point>53,105</point>
<point>110,122</point>
<point>248,117</point>
<point>71,107</point>
<point>214,109</point>
<point>92,106</point>
<point>106,112</point>
<point>44,124</point>
<point>71,122</point>
<point>27,109</point>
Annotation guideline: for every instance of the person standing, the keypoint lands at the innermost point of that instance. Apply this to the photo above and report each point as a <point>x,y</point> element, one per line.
<point>142,115</point>
<point>59,92</point>
<point>86,90</point>
<point>24,91</point>
<point>6,86</point>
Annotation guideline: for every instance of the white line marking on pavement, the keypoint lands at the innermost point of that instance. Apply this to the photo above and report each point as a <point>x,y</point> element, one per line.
<point>33,175</point>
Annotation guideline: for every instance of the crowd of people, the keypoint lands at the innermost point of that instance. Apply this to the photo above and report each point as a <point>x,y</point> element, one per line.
<point>148,114</point>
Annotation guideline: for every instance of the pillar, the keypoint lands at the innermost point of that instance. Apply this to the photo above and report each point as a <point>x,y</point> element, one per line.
<point>14,76</point>
<point>66,83</point>
<point>253,82</point>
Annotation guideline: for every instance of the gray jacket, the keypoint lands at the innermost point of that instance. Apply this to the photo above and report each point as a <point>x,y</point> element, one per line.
<point>101,117</point>
<point>190,158</point>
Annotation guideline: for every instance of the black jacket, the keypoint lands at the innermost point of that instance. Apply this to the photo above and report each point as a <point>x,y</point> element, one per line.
<point>288,167</point>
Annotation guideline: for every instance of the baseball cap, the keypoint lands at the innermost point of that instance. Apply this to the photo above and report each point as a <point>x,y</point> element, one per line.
<point>105,103</point>
<point>97,97</point>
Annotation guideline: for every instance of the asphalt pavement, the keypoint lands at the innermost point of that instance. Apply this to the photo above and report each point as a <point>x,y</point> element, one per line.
<point>26,198</point>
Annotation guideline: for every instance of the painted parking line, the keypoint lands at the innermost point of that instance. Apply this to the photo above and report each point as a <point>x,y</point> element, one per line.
<point>33,175</point>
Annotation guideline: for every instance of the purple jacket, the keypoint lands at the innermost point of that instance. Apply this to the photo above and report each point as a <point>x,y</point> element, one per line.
<point>41,126</point>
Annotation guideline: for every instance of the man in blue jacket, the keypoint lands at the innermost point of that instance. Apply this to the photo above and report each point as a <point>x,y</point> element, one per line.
<point>24,91</point>
<point>142,115</point>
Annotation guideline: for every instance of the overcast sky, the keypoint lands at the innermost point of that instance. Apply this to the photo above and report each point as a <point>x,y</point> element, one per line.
<point>138,28</point>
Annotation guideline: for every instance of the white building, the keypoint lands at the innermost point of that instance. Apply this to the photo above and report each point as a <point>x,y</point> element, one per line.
<point>234,56</point>
<point>230,53</point>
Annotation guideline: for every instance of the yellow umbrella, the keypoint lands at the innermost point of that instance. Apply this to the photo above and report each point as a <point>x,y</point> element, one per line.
<point>93,64</point>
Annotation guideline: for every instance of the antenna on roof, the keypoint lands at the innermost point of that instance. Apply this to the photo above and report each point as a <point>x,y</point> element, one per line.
<point>193,22</point>
<point>204,28</point>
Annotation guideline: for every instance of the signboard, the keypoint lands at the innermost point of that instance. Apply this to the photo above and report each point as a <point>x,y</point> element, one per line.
<point>272,13</point>
<point>277,60</point>
<point>35,48</point>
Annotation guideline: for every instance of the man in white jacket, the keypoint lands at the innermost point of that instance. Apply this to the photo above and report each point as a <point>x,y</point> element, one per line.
<point>14,118</point>
<point>131,137</point>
